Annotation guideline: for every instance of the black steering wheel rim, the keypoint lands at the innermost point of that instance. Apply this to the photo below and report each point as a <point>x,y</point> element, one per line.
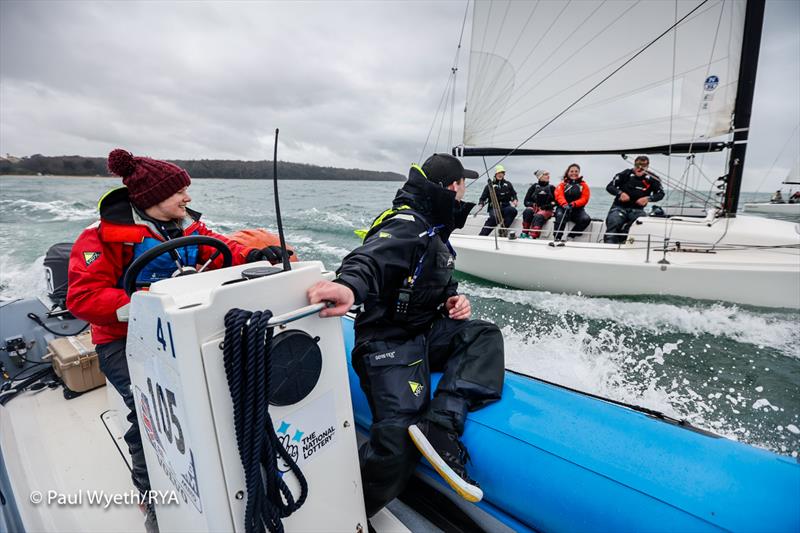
<point>136,267</point>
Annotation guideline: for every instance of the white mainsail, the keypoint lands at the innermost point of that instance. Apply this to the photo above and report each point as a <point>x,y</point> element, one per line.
<point>529,60</point>
<point>793,177</point>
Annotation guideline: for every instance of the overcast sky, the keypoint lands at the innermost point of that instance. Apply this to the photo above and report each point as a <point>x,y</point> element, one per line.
<point>350,84</point>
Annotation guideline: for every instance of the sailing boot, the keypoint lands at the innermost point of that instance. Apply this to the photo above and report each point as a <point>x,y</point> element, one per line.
<point>448,455</point>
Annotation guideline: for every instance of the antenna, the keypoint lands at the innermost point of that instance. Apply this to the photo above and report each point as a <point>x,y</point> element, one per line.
<point>286,265</point>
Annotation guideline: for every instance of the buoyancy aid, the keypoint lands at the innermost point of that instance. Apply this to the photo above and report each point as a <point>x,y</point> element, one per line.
<point>542,195</point>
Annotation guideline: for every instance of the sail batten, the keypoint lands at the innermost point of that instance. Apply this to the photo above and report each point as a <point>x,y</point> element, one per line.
<point>514,89</point>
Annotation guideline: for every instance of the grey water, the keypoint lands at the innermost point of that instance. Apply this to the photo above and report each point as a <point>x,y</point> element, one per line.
<point>727,368</point>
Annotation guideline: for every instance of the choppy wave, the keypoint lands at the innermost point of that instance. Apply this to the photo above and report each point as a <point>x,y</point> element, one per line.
<point>224,226</point>
<point>303,242</point>
<point>607,364</point>
<point>19,280</point>
<point>329,220</point>
<point>778,331</point>
<point>52,211</point>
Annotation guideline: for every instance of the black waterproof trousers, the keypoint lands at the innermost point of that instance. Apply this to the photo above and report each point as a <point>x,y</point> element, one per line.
<point>395,376</point>
<point>509,213</point>
<point>114,365</point>
<point>619,221</point>
<point>578,215</point>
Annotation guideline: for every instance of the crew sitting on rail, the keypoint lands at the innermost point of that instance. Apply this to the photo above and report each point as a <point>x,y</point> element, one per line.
<point>572,195</point>
<point>506,197</point>
<point>632,190</point>
<point>777,198</point>
<point>150,209</point>
<point>540,201</point>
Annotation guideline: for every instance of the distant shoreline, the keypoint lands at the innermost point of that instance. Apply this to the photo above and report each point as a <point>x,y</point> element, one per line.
<point>79,166</point>
<point>3,175</point>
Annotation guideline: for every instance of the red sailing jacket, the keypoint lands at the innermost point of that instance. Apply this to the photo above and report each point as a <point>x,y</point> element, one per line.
<point>105,249</point>
<point>576,192</point>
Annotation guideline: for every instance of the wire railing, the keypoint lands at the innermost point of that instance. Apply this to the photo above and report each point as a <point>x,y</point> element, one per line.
<point>650,243</point>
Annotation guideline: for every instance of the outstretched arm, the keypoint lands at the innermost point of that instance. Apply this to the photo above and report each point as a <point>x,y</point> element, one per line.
<point>382,261</point>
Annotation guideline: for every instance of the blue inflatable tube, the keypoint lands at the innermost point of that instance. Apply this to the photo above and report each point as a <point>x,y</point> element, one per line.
<point>550,459</point>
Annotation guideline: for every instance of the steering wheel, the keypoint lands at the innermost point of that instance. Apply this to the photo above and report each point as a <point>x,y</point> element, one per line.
<point>129,282</point>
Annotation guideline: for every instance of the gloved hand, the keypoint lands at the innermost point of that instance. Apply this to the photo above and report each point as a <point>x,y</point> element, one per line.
<point>273,254</point>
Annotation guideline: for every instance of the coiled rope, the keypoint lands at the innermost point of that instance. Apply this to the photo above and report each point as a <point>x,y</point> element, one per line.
<point>247,360</point>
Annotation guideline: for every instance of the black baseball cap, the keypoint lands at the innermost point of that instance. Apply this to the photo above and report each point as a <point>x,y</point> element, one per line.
<point>444,169</point>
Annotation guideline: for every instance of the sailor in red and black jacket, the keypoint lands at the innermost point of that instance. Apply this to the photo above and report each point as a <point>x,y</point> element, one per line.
<point>540,202</point>
<point>105,249</point>
<point>632,189</point>
<point>572,195</point>
<point>150,209</point>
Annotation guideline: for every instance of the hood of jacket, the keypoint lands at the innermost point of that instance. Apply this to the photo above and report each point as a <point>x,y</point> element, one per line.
<point>437,204</point>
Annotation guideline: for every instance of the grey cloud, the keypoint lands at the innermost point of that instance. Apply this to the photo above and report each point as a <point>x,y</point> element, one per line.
<point>351,84</point>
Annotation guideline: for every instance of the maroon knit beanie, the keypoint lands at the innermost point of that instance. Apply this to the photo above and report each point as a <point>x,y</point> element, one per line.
<point>149,181</point>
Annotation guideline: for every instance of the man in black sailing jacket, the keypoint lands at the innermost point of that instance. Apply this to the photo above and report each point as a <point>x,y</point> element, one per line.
<point>506,197</point>
<point>632,190</point>
<point>413,323</point>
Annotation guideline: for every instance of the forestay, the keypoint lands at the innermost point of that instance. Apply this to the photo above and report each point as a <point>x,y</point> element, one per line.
<point>531,60</point>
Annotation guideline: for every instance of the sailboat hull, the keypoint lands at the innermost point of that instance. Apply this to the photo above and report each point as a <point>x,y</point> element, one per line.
<point>749,261</point>
<point>773,209</point>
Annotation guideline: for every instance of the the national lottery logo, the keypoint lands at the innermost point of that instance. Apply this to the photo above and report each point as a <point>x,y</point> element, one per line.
<point>711,83</point>
<point>309,432</point>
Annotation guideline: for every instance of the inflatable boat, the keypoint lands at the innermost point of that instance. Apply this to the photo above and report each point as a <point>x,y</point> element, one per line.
<point>548,458</point>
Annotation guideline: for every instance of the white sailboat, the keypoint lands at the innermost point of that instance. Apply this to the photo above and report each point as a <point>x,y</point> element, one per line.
<point>785,206</point>
<point>627,77</point>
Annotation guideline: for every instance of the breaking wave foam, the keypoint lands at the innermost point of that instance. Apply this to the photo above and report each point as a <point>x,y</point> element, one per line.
<point>298,241</point>
<point>56,210</point>
<point>719,320</point>
<point>22,281</point>
<point>605,363</point>
<point>327,221</point>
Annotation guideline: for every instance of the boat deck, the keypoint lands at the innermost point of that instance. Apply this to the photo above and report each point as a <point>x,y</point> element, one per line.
<point>71,451</point>
<point>66,452</point>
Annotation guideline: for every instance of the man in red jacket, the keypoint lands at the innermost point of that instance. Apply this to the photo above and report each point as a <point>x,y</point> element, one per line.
<point>151,208</point>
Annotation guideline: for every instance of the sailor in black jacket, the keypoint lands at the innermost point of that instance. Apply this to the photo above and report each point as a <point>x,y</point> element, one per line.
<point>506,197</point>
<point>633,189</point>
<point>540,201</point>
<point>413,323</point>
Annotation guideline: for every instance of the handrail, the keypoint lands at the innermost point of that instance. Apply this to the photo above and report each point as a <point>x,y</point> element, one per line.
<point>297,314</point>
<point>659,242</point>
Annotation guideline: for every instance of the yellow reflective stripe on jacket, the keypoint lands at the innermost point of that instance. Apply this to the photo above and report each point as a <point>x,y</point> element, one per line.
<point>362,233</point>
<point>100,201</point>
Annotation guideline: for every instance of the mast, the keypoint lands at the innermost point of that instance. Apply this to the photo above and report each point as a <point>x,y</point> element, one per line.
<point>751,43</point>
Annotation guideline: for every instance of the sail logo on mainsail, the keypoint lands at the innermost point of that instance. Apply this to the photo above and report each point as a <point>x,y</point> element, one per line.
<point>711,83</point>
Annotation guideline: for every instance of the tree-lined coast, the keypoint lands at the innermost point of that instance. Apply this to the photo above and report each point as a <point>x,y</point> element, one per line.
<point>75,165</point>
